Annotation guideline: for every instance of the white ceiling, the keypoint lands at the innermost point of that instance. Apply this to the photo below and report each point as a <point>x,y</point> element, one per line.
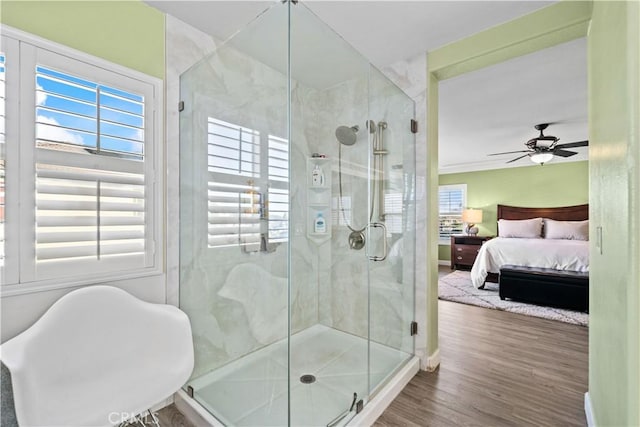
<point>486,111</point>
<point>383,31</point>
<point>494,109</point>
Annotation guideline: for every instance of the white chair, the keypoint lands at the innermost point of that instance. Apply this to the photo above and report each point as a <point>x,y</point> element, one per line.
<point>98,357</point>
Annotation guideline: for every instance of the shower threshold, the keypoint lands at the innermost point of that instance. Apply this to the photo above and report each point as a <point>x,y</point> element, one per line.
<point>253,389</point>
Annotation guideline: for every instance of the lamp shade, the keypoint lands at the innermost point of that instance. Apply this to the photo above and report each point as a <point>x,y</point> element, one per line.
<point>472,216</point>
<point>541,158</point>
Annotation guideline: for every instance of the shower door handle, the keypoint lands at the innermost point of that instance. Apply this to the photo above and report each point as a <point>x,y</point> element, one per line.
<point>384,242</point>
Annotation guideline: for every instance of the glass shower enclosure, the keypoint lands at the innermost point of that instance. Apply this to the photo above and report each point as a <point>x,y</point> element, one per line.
<point>297,227</point>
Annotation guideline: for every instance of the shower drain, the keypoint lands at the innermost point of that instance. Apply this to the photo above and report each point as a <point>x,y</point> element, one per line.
<point>307,379</point>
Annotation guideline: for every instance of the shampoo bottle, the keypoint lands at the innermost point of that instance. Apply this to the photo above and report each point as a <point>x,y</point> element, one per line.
<point>320,226</point>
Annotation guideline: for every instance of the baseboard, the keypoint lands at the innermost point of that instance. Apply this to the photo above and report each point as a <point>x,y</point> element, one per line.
<point>443,262</point>
<point>588,411</point>
<point>433,361</point>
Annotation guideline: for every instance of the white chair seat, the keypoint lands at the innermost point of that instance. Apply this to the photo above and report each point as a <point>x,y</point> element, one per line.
<point>98,356</point>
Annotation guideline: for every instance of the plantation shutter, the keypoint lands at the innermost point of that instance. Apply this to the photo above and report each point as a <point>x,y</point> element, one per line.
<point>234,202</point>
<point>247,190</point>
<point>91,202</point>
<point>233,150</point>
<point>233,215</point>
<point>278,207</point>
<point>451,200</point>
<point>393,212</point>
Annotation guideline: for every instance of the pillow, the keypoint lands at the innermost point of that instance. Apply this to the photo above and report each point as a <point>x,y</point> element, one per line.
<point>524,228</point>
<point>570,230</point>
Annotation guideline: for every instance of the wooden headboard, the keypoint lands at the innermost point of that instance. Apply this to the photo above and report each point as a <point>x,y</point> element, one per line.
<point>565,213</point>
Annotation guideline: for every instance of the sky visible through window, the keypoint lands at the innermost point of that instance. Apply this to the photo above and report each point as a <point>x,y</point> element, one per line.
<point>79,113</point>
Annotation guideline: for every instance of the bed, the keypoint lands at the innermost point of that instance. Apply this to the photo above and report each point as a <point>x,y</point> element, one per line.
<point>559,255</point>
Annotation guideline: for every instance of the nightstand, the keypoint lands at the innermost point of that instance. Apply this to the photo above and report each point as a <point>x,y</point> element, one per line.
<point>464,250</point>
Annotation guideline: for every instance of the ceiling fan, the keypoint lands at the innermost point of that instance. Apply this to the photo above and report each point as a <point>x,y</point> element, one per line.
<point>542,148</point>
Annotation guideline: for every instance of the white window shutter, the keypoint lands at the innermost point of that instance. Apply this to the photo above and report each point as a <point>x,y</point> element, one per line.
<point>451,202</point>
<point>247,194</point>
<point>233,215</point>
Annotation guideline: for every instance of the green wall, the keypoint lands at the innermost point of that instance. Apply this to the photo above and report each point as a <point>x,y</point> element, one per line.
<point>560,184</point>
<point>129,33</point>
<point>614,282</point>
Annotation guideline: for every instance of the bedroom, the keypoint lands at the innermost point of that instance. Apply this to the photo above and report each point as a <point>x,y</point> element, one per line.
<point>484,163</point>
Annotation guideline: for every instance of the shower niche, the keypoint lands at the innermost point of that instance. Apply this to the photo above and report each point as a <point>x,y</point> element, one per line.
<point>274,298</point>
<point>319,199</point>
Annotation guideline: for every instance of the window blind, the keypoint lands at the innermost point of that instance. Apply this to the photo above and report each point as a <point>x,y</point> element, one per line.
<point>278,161</point>
<point>233,149</point>
<point>278,214</point>
<point>247,194</point>
<point>233,215</point>
<point>393,212</point>
<point>88,213</point>
<point>278,175</point>
<point>90,181</point>
<point>451,200</point>
<point>85,115</point>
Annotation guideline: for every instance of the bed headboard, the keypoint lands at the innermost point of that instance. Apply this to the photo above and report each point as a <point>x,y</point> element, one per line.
<point>565,213</point>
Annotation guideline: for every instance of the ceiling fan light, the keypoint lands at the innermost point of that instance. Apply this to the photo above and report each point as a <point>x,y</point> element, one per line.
<point>541,158</point>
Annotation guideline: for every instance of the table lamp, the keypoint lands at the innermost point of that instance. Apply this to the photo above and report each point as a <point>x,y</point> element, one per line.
<point>472,217</point>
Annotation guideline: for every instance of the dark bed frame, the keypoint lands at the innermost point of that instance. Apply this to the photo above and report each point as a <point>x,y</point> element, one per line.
<point>565,213</point>
<point>541,285</point>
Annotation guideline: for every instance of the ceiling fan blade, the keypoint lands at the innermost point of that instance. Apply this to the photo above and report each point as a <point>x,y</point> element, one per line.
<point>510,152</point>
<point>518,158</point>
<point>573,144</point>
<point>564,153</point>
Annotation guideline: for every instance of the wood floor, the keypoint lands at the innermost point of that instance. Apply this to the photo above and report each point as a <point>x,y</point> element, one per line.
<point>498,369</point>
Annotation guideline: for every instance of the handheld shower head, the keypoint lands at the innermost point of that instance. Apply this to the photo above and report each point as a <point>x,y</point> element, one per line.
<point>347,135</point>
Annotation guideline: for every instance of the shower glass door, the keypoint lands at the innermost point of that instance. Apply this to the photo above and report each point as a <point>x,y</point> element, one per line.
<point>234,207</point>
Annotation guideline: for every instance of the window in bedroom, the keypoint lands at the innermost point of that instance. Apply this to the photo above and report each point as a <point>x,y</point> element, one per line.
<point>81,187</point>
<point>451,201</point>
<point>248,193</point>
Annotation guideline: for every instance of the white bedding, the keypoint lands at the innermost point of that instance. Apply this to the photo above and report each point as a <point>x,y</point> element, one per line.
<point>570,255</point>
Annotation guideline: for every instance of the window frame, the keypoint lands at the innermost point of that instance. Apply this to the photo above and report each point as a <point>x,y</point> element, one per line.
<point>450,187</point>
<point>20,222</point>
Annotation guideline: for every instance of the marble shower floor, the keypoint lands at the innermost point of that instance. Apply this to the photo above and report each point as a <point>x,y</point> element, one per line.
<point>253,390</point>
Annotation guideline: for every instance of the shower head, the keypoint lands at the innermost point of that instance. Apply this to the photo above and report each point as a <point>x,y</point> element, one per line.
<point>347,135</point>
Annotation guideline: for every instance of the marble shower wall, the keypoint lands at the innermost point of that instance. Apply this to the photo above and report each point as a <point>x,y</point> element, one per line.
<point>350,279</point>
